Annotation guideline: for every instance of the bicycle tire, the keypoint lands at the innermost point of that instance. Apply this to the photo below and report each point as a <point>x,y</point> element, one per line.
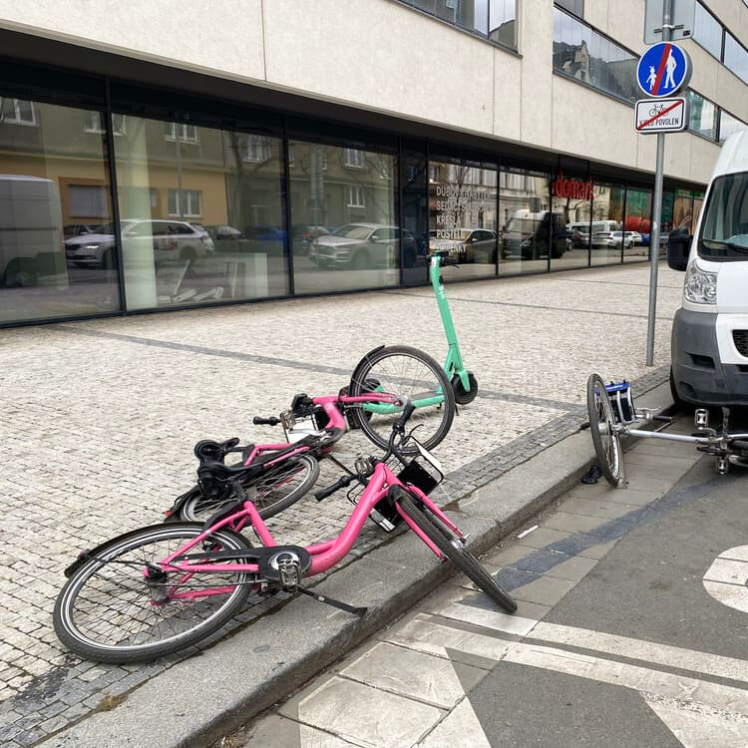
<point>75,629</point>
<point>198,508</point>
<point>599,410</point>
<point>400,384</point>
<point>452,547</point>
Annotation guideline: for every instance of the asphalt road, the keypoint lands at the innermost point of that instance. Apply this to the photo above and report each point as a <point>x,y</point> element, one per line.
<point>631,632</point>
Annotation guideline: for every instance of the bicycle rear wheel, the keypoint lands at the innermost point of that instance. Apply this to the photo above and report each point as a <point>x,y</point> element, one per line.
<point>271,493</point>
<point>109,612</point>
<point>606,441</point>
<point>454,549</point>
<point>402,370</point>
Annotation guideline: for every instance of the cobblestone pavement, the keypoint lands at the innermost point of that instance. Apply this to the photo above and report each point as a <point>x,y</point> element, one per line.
<point>99,420</point>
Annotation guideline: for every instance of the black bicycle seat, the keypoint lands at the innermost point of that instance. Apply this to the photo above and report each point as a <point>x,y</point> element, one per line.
<point>208,450</point>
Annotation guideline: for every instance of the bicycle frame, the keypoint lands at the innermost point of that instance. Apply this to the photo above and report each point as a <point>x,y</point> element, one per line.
<point>324,555</point>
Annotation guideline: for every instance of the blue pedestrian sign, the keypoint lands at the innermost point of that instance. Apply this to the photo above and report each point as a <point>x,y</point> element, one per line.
<point>662,70</point>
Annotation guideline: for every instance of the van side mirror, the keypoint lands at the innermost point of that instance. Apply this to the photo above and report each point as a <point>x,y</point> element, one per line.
<point>678,245</point>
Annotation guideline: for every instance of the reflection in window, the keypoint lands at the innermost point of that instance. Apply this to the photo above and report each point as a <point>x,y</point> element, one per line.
<point>492,19</point>
<point>344,225</point>
<point>638,224</point>
<point>56,259</point>
<point>571,213</point>
<point>607,223</point>
<point>17,112</point>
<point>583,54</point>
<point>94,122</point>
<point>707,31</point>
<point>185,203</point>
<point>236,246</point>
<point>736,57</point>
<point>525,209</point>
<point>258,149</point>
<point>729,125</point>
<point>183,133</point>
<point>462,217</point>
<point>573,6</point>
<point>702,117</point>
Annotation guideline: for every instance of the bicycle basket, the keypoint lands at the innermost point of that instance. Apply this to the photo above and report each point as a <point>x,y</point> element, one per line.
<point>622,401</point>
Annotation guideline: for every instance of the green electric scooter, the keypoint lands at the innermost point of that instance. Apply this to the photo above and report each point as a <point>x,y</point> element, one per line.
<point>464,383</point>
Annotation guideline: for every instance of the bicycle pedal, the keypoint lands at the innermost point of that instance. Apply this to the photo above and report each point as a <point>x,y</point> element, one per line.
<point>701,419</point>
<point>289,573</point>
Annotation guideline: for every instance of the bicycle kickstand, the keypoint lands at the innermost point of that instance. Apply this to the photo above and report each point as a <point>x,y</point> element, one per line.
<point>331,601</point>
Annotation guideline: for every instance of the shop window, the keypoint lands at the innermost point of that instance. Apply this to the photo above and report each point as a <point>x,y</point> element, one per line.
<point>638,224</point>
<point>586,56</point>
<point>702,118</point>
<point>354,158</point>
<point>525,208</point>
<point>185,203</point>
<point>503,22</point>
<point>258,149</point>
<point>707,31</point>
<point>218,235</point>
<point>569,225</point>
<point>606,229</point>
<point>182,132</point>
<point>94,122</point>
<point>17,112</point>
<point>57,254</point>
<point>334,250</point>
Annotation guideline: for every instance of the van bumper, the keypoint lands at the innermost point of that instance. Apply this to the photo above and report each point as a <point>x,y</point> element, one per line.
<point>699,375</point>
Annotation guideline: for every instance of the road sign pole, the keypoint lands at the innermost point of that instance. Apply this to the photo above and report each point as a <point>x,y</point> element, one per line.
<point>654,235</point>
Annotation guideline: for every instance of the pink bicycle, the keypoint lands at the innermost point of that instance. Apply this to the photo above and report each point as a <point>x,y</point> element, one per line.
<point>157,590</point>
<point>277,475</point>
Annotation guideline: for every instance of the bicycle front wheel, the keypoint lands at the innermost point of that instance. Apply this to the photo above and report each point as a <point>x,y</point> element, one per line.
<point>605,439</point>
<point>109,612</point>
<point>454,549</point>
<point>402,370</point>
<point>271,493</point>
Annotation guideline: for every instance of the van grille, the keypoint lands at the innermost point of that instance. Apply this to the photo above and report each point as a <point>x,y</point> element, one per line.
<point>740,338</point>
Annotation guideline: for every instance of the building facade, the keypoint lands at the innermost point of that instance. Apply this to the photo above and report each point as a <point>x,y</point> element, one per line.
<point>155,156</point>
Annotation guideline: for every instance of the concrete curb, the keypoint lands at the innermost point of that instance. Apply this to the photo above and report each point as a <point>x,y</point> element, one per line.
<point>209,695</point>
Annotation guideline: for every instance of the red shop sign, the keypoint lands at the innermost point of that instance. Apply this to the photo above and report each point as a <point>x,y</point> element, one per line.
<point>576,189</point>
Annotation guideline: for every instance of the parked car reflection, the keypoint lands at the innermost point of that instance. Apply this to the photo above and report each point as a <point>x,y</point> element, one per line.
<point>361,245</point>
<point>465,244</point>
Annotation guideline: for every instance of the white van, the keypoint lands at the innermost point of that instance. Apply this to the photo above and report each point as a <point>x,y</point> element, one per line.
<point>709,341</point>
<point>31,232</point>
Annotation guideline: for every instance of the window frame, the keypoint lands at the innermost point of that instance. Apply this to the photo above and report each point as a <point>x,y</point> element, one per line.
<point>16,120</point>
<point>188,200</point>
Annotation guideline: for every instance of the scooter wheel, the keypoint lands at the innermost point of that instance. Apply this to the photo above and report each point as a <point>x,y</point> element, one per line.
<point>463,397</point>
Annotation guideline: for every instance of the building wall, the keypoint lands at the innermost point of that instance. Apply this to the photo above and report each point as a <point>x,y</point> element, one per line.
<point>381,55</point>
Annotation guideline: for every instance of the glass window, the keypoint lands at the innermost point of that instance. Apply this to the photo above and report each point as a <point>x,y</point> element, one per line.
<point>707,31</point>
<point>17,112</point>
<point>702,117</point>
<point>494,19</point>
<point>337,214</point>
<point>462,218</point>
<point>607,223</point>
<point>502,22</point>
<point>415,218</point>
<point>571,214</point>
<point>525,207</point>
<point>55,259</point>
<point>729,125</point>
<point>583,54</point>
<point>228,241</point>
<point>736,57</point>
<point>573,6</point>
<point>638,224</point>
<point>724,235</point>
<point>94,122</point>
<point>683,210</point>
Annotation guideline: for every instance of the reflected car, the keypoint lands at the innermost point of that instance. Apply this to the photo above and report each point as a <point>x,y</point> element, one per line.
<point>265,233</point>
<point>468,245</point>
<point>303,236</point>
<point>360,246</point>
<point>80,229</point>
<point>221,232</point>
<point>170,240</point>
<point>612,239</point>
<point>526,236</point>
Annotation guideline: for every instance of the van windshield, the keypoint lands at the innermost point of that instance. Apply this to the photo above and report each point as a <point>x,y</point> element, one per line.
<point>724,233</point>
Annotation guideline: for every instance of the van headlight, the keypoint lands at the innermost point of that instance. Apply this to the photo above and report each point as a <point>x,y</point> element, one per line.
<point>701,287</point>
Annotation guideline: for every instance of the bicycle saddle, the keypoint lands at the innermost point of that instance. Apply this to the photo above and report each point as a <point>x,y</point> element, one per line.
<point>208,450</point>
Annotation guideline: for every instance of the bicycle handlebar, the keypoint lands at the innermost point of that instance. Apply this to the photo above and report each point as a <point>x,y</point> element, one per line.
<point>443,255</point>
<point>346,480</point>
<point>272,421</point>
